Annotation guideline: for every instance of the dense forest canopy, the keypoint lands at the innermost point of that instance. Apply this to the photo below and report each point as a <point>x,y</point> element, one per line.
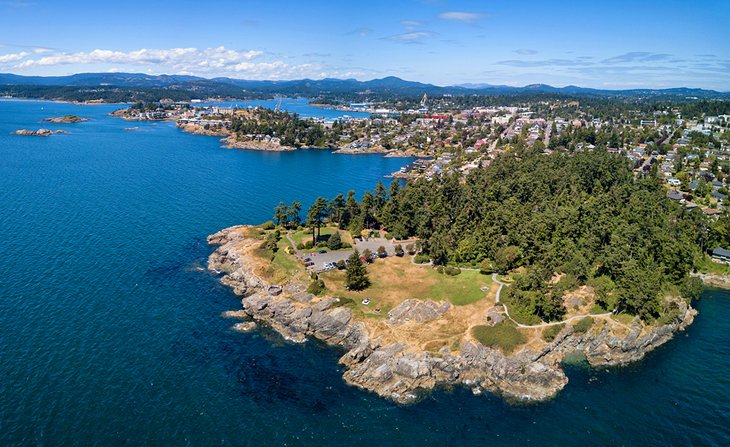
<point>585,217</point>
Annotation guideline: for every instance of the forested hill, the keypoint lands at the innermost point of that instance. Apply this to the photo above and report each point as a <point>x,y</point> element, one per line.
<point>583,215</point>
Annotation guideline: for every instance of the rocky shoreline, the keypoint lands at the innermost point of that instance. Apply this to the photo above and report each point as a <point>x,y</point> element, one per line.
<point>402,372</point>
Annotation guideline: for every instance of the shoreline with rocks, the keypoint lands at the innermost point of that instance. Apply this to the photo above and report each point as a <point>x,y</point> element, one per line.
<point>403,372</point>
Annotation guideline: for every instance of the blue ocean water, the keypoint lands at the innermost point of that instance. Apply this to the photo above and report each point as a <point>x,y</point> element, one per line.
<point>110,330</point>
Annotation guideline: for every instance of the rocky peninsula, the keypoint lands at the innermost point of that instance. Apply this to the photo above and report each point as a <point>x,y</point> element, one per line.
<point>381,356</point>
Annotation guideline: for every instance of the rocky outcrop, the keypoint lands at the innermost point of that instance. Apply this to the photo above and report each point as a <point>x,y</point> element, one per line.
<point>720,281</point>
<point>67,119</point>
<point>37,133</point>
<point>418,311</point>
<point>401,372</point>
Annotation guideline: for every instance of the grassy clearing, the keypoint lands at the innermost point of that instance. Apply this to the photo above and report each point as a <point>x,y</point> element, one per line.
<point>503,335</point>
<point>305,235</point>
<point>281,267</point>
<point>706,265</point>
<point>395,279</point>
<point>623,318</point>
<point>462,289</point>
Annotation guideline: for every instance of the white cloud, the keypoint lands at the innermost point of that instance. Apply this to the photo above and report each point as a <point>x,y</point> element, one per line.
<point>460,16</point>
<point>218,57</point>
<point>13,57</point>
<point>208,62</point>
<point>411,37</point>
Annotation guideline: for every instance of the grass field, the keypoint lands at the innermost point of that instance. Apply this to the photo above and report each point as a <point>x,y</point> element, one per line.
<point>302,236</point>
<point>395,279</point>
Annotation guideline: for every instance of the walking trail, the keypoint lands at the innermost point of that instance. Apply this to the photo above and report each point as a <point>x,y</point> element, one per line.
<point>542,325</point>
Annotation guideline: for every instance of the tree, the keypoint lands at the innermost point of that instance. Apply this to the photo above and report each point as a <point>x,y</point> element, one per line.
<point>317,212</point>
<point>294,220</point>
<point>505,258</point>
<point>337,208</point>
<point>381,252</point>
<point>368,255</point>
<point>356,277</point>
<point>281,214</point>
<point>335,241</point>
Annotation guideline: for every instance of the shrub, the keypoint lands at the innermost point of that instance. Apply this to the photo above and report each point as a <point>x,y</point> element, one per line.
<point>399,250</point>
<point>308,245</point>
<point>503,335</point>
<point>300,246</point>
<point>334,242</point>
<point>486,267</point>
<point>341,265</point>
<point>411,249</point>
<point>551,332</point>
<point>440,269</point>
<point>421,258</point>
<point>346,245</point>
<point>582,326</point>
<point>368,255</point>
<point>322,244</point>
<point>316,287</point>
<point>381,252</point>
<point>452,271</point>
<point>268,225</point>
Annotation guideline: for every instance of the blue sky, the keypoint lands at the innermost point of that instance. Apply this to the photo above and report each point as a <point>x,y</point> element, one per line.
<point>616,44</point>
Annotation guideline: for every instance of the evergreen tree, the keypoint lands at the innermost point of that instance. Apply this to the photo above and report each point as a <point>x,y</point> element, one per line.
<point>356,277</point>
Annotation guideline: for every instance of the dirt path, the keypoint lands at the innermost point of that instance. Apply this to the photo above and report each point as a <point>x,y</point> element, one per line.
<point>542,325</point>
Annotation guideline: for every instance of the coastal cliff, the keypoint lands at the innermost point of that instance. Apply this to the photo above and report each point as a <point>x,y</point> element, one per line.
<point>400,371</point>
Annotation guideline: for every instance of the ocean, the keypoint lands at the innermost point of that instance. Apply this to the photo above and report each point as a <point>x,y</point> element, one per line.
<point>111,331</point>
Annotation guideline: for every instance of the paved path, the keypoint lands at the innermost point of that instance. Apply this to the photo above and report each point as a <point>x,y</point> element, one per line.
<point>535,326</point>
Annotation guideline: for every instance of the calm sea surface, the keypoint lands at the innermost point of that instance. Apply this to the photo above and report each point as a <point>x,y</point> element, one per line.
<point>110,330</point>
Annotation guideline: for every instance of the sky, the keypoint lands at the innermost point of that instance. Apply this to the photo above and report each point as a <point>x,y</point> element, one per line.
<point>601,44</point>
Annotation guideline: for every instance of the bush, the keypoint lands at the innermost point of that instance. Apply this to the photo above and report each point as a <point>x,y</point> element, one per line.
<point>268,225</point>
<point>316,287</point>
<point>308,245</point>
<point>381,252</point>
<point>399,250</point>
<point>300,246</point>
<point>341,265</point>
<point>421,258</point>
<point>551,332</point>
<point>582,326</point>
<point>322,244</point>
<point>411,249</point>
<point>452,271</point>
<point>334,242</point>
<point>486,267</point>
<point>346,245</point>
<point>503,335</point>
<point>368,255</point>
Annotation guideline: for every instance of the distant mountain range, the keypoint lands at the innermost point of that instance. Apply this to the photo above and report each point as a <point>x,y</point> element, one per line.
<point>307,87</point>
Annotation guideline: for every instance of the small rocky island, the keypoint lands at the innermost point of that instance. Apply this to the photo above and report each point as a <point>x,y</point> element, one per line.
<point>416,343</point>
<point>66,119</point>
<point>37,133</point>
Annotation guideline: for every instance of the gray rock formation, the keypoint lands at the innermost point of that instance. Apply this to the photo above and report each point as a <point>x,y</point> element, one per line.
<point>417,310</point>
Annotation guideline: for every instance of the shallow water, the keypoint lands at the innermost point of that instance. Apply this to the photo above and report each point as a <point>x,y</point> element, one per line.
<point>111,329</point>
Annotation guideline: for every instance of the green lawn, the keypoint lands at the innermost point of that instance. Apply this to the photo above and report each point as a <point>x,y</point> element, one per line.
<point>305,235</point>
<point>460,289</point>
<point>708,266</point>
